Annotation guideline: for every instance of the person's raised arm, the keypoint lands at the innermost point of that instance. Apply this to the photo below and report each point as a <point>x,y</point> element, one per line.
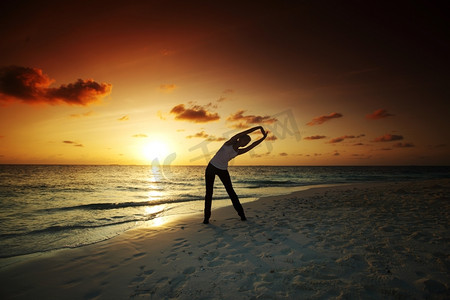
<point>234,138</point>
<point>254,144</point>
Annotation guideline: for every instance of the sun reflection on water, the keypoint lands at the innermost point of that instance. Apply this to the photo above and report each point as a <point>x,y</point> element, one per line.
<point>150,210</point>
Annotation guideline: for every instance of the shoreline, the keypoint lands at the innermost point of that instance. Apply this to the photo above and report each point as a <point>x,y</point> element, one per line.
<point>5,262</point>
<point>379,239</point>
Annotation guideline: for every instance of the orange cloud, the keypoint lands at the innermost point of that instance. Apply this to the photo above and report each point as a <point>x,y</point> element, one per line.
<point>321,119</point>
<point>31,86</point>
<point>86,114</point>
<point>167,87</point>
<point>195,113</point>
<point>124,118</point>
<point>388,138</point>
<point>246,121</point>
<point>200,134</point>
<point>378,114</point>
<point>314,137</point>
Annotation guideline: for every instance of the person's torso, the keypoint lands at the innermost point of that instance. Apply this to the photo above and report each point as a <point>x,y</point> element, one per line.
<point>223,156</point>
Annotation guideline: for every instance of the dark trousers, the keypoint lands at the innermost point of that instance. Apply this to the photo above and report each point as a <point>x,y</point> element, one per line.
<point>210,175</point>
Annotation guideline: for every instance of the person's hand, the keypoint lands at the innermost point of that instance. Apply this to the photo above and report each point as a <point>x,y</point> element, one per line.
<point>264,133</point>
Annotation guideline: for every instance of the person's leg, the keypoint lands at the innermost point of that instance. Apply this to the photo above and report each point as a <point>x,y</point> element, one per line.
<point>209,182</point>
<point>226,180</point>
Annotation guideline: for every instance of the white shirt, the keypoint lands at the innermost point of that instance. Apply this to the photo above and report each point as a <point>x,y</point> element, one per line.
<point>223,156</point>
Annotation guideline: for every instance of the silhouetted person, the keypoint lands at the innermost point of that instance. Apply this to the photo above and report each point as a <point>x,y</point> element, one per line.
<point>218,165</point>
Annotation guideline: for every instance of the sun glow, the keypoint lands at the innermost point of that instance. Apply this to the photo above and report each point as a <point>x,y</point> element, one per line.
<point>155,149</point>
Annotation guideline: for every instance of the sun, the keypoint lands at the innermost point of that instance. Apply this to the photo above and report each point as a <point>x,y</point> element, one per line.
<point>155,149</point>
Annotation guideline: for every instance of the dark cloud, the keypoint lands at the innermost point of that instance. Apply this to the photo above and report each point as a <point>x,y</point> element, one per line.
<point>271,138</point>
<point>195,113</point>
<point>73,143</point>
<point>403,145</point>
<point>283,154</point>
<point>341,138</point>
<point>321,119</point>
<point>378,114</point>
<point>388,138</point>
<point>206,136</point>
<point>248,120</point>
<point>314,137</point>
<point>32,86</point>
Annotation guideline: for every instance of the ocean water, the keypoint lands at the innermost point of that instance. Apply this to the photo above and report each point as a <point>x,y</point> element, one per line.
<point>43,208</point>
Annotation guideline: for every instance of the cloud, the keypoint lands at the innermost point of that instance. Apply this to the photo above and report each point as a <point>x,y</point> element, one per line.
<point>283,154</point>
<point>378,114</point>
<point>271,138</point>
<point>388,138</point>
<point>167,87</point>
<point>341,138</point>
<point>403,145</point>
<point>200,134</point>
<point>86,114</point>
<point>212,138</point>
<point>73,143</point>
<point>140,135</point>
<point>314,137</point>
<point>358,144</point>
<point>32,86</point>
<point>195,113</point>
<point>206,136</point>
<point>228,91</point>
<point>166,52</point>
<point>321,119</point>
<point>160,115</point>
<point>124,118</point>
<point>246,121</point>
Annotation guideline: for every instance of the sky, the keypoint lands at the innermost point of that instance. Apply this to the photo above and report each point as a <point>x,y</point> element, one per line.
<point>167,82</point>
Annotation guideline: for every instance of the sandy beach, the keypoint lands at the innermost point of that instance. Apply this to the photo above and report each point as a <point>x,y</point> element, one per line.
<point>360,241</point>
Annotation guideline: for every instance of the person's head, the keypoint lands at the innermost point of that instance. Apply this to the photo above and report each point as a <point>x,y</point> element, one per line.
<point>243,140</point>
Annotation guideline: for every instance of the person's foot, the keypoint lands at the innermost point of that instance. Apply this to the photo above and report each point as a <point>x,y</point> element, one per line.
<point>243,218</point>
<point>205,221</point>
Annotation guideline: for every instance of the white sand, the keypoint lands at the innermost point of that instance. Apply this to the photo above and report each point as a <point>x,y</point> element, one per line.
<point>370,241</point>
